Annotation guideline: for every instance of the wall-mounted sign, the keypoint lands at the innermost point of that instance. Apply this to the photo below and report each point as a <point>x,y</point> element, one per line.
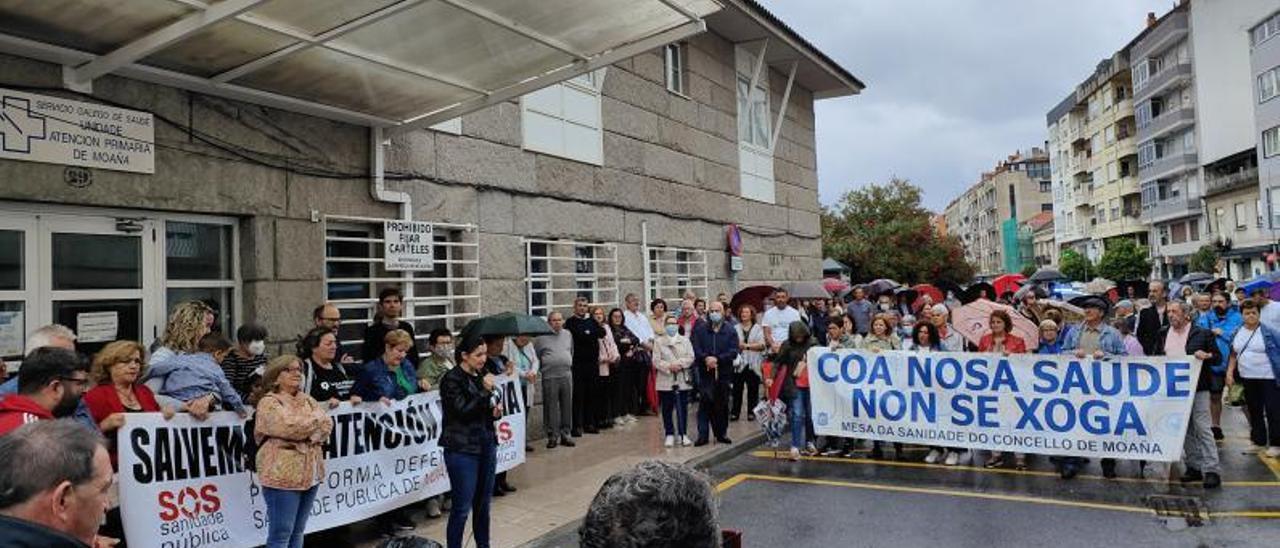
<point>40,128</point>
<point>735,263</point>
<point>735,240</point>
<point>407,245</point>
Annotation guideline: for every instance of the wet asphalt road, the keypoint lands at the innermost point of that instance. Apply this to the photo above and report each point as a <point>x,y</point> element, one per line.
<point>831,501</point>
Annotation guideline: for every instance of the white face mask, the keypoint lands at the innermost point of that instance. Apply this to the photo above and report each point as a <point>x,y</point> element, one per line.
<point>257,348</point>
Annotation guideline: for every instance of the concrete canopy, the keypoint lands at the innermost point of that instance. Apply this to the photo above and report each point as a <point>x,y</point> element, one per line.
<point>396,64</point>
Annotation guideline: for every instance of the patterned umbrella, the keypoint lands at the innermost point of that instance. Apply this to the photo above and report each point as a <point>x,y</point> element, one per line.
<point>971,321</point>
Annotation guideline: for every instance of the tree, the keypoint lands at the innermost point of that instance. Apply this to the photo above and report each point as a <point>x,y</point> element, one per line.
<point>882,231</point>
<point>1075,266</point>
<point>1029,269</point>
<point>1124,259</point>
<point>1204,259</point>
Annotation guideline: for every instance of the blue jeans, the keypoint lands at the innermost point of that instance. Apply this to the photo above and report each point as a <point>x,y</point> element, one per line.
<point>799,417</point>
<point>471,480</point>
<point>287,513</point>
<point>679,400</point>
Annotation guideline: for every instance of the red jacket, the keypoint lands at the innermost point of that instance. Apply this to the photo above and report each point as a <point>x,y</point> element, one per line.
<point>17,410</point>
<point>1013,344</point>
<point>102,401</point>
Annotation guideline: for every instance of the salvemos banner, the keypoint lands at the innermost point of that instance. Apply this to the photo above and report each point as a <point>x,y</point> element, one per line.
<point>183,483</point>
<point>1127,408</point>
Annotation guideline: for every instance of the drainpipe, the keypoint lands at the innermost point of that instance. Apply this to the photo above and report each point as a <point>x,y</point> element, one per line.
<point>644,261</point>
<point>377,181</point>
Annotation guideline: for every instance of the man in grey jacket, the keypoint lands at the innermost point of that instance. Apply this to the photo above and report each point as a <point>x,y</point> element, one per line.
<point>555,353</point>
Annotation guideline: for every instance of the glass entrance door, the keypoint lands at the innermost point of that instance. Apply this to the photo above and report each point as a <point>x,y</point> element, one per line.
<point>99,277</point>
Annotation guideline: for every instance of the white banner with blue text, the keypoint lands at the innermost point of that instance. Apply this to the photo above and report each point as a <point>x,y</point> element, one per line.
<point>1124,408</point>
<point>183,482</point>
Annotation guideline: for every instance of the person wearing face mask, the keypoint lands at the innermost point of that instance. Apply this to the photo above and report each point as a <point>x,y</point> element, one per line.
<point>790,369</point>
<point>672,356</point>
<point>715,347</point>
<point>248,356</point>
<point>439,358</point>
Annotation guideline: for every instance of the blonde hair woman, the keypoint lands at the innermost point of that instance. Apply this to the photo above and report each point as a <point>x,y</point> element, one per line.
<point>188,322</point>
<point>290,429</point>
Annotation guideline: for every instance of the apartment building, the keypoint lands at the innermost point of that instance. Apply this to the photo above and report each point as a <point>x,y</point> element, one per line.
<point>591,151</point>
<point>1264,60</point>
<point>1072,207</point>
<point>1168,157</point>
<point>986,217</point>
<point>1265,63</point>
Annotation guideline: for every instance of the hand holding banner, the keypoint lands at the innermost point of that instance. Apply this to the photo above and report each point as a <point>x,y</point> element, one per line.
<point>183,482</point>
<point>1127,408</point>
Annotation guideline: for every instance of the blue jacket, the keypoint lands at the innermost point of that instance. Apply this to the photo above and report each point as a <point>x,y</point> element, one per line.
<point>722,344</point>
<point>82,411</point>
<point>376,381</point>
<point>1229,325</point>
<point>188,376</point>
<point>1271,338</point>
<point>1111,343</point>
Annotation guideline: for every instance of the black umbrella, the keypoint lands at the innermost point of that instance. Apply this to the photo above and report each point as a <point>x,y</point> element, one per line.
<point>949,287</point>
<point>1219,284</point>
<point>506,324</point>
<point>882,285</point>
<point>976,291</point>
<point>1047,275</point>
<point>1195,277</point>
<point>806,290</point>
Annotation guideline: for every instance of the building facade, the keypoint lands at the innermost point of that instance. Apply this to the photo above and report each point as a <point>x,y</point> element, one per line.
<point>1168,156</point>
<point>620,180</point>
<point>986,217</point>
<point>1264,56</point>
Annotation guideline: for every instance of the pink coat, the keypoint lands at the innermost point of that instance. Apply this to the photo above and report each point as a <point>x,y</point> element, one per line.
<point>608,352</point>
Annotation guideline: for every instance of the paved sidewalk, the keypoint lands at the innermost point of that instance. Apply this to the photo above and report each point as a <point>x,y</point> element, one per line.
<point>556,485</point>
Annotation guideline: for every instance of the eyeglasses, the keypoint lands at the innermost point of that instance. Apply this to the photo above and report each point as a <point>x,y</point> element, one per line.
<point>77,380</point>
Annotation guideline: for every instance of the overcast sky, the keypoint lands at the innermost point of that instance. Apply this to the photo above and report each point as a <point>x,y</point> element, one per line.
<point>952,85</point>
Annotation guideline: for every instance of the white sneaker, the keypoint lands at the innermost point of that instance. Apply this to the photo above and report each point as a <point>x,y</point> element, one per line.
<point>953,457</point>
<point>631,419</point>
<point>685,441</point>
<point>795,454</point>
<point>933,456</point>
<point>671,442</point>
<point>619,421</point>
<point>1274,452</point>
<point>810,449</point>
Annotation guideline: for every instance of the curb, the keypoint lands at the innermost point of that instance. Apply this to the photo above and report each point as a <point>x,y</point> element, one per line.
<point>702,463</point>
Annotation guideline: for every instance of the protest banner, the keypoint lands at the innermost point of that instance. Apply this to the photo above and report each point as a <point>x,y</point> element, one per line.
<point>1126,408</point>
<point>183,483</point>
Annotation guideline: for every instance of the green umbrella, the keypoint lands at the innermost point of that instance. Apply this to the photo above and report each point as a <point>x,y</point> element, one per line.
<point>507,324</point>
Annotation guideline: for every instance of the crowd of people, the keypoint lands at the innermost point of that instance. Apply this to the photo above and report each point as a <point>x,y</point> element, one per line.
<point>62,401</point>
<point>595,370</point>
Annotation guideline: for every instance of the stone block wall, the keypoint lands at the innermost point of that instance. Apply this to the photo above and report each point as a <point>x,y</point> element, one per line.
<point>670,165</point>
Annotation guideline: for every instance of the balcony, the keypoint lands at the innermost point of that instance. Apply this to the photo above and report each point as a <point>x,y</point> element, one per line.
<point>1168,122</point>
<point>1171,209</point>
<point>1126,146</point>
<point>1172,29</point>
<point>1160,81</point>
<point>1081,165</point>
<point>1225,183</point>
<point>1168,166</point>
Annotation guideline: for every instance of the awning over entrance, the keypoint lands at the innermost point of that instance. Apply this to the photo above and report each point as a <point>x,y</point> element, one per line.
<point>399,64</point>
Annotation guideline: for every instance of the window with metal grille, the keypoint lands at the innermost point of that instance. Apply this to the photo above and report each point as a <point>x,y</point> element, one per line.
<point>559,271</point>
<point>672,271</point>
<point>446,296</point>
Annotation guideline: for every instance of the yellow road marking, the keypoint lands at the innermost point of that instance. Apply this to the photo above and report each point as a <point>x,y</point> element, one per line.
<point>1272,464</point>
<point>1007,471</point>
<point>730,483</point>
<point>740,478</point>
